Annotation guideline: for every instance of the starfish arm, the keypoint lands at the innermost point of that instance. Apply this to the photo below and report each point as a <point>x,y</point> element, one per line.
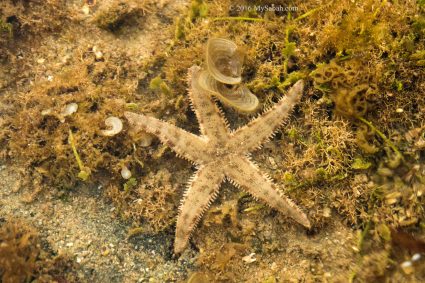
<point>246,175</point>
<point>185,144</point>
<point>212,122</point>
<point>253,134</point>
<point>201,192</point>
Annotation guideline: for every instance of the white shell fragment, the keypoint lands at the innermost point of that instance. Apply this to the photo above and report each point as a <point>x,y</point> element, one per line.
<point>125,173</point>
<point>416,257</point>
<point>97,53</point>
<point>69,109</point>
<point>46,112</point>
<point>407,267</point>
<point>85,9</point>
<point>249,258</point>
<point>115,126</point>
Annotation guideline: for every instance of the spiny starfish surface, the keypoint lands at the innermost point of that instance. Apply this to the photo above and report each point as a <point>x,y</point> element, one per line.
<point>221,153</point>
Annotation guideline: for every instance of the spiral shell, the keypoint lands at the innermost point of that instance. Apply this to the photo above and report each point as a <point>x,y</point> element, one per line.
<point>114,125</point>
<point>238,96</point>
<point>222,77</point>
<point>69,109</point>
<point>224,60</point>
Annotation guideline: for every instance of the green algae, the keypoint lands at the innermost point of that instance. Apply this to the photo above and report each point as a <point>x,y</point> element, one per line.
<point>6,28</point>
<point>84,173</point>
<point>361,164</point>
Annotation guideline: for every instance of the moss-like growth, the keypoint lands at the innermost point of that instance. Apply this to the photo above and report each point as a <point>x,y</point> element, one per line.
<point>18,252</point>
<point>41,136</point>
<point>158,84</point>
<point>23,257</point>
<point>116,15</point>
<point>151,205</point>
<point>6,29</point>
<point>349,84</point>
<point>360,164</point>
<point>198,9</point>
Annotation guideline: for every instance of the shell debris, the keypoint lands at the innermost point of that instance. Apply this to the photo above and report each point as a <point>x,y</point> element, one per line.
<point>114,125</point>
<point>249,258</point>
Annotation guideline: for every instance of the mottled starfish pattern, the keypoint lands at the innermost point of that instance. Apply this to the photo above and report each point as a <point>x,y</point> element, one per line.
<point>220,154</point>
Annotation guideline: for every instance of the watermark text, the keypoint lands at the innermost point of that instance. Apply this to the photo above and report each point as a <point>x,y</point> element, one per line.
<point>263,8</point>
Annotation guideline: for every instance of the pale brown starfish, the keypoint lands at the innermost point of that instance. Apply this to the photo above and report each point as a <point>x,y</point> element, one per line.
<point>221,153</point>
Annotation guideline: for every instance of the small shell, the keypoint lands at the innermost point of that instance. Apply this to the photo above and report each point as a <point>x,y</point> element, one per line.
<point>146,140</point>
<point>125,173</point>
<point>46,112</point>
<point>407,267</point>
<point>239,97</point>
<point>69,109</point>
<point>85,9</point>
<point>249,258</point>
<point>115,126</point>
<point>97,53</point>
<point>416,257</point>
<point>224,60</point>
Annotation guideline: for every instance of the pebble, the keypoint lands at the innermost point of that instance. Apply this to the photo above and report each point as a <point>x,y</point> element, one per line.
<point>416,257</point>
<point>407,267</point>
<point>125,173</point>
<point>85,9</point>
<point>327,212</point>
<point>272,163</point>
<point>97,53</point>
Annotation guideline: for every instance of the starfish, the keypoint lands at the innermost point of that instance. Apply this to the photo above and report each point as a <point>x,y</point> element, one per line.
<point>220,154</point>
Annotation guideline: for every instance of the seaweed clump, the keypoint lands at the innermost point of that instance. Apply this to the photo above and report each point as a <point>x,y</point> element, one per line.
<point>56,148</point>
<point>23,258</point>
<point>372,73</point>
<point>319,152</point>
<point>119,14</point>
<point>151,205</point>
<point>25,19</point>
<point>352,88</point>
<point>18,252</point>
